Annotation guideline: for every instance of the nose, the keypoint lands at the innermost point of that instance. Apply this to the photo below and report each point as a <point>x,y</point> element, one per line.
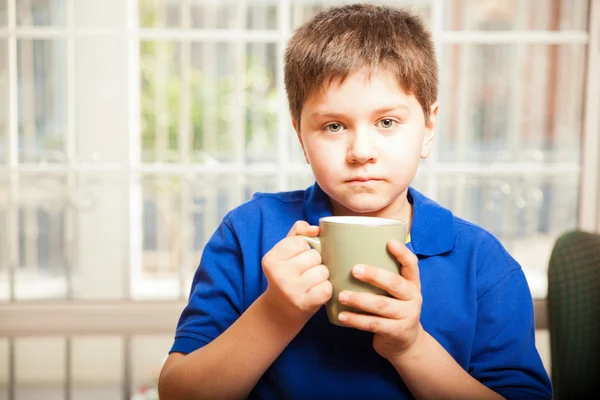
<point>362,148</point>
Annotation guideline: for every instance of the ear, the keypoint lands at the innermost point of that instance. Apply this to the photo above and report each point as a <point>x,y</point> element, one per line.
<point>297,129</point>
<point>429,131</point>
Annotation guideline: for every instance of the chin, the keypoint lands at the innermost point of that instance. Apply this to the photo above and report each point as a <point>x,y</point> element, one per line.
<point>364,205</point>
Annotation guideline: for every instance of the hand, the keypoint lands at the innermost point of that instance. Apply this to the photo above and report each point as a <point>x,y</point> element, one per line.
<point>298,284</point>
<point>395,320</point>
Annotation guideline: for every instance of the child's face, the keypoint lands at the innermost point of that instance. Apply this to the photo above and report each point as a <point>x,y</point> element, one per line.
<point>363,140</point>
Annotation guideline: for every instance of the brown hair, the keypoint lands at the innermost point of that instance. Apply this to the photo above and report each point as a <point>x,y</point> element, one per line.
<point>341,40</point>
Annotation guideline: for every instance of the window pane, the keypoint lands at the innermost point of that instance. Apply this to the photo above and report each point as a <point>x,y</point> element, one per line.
<point>303,10</point>
<point>550,15</point>
<point>3,13</point>
<point>42,221</point>
<point>527,212</point>
<point>6,236</point>
<point>3,101</point>
<point>94,13</point>
<point>214,107</point>
<point>160,64</point>
<point>101,108</point>
<point>260,14</point>
<point>148,354</point>
<point>97,368</point>
<point>511,103</point>
<point>169,242</point>
<point>159,14</point>
<point>513,207</point>
<point>35,379</point>
<point>41,12</point>
<point>262,102</point>
<point>41,66</point>
<point>162,232</point>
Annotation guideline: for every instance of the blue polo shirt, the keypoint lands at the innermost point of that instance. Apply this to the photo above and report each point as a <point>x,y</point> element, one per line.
<point>476,304</point>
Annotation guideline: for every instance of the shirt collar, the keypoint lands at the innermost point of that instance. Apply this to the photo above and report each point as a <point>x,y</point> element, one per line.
<point>432,231</point>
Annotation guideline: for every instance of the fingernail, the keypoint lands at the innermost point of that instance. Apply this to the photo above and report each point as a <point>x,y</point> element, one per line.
<point>343,317</point>
<point>358,270</point>
<point>344,297</point>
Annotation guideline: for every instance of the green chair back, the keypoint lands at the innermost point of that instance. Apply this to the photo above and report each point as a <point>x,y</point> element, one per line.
<point>574,315</point>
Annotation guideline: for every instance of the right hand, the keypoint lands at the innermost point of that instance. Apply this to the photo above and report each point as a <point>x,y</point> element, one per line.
<point>298,284</point>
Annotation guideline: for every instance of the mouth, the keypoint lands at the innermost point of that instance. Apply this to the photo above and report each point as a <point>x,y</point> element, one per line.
<point>364,179</point>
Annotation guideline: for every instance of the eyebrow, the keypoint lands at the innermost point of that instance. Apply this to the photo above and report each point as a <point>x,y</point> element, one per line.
<point>382,110</point>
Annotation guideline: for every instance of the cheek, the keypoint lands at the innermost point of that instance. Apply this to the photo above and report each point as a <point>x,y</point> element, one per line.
<point>324,163</point>
<point>400,152</point>
<point>405,147</point>
<point>321,166</point>
<point>320,151</point>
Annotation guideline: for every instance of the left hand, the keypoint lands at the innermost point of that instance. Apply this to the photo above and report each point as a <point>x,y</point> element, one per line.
<point>394,320</point>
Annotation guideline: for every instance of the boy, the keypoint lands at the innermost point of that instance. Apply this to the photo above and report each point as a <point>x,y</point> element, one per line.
<point>362,87</point>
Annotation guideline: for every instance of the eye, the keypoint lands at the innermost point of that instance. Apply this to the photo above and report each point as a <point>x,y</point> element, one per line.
<point>334,127</point>
<point>387,123</point>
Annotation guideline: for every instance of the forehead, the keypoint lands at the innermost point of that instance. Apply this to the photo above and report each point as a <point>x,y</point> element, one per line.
<point>364,88</point>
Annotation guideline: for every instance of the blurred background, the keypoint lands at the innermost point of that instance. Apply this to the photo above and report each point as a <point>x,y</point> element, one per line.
<point>128,128</point>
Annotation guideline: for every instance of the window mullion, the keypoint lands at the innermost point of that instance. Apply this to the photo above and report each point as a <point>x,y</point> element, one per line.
<point>132,190</point>
<point>13,156</point>
<point>283,116</point>
<point>210,149</point>
<point>238,34</point>
<point>71,153</point>
<point>589,197</point>
<point>238,120</point>
<point>513,37</point>
<point>437,24</point>
<point>184,151</point>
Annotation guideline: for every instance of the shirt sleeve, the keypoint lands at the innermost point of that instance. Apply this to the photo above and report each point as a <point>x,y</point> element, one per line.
<point>216,296</point>
<point>504,356</point>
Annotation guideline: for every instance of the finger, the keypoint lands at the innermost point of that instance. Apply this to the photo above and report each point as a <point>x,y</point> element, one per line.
<point>391,282</point>
<point>369,323</point>
<point>303,228</point>
<point>306,260</point>
<point>408,260</point>
<point>376,304</point>
<point>319,294</point>
<point>289,248</point>
<point>313,276</point>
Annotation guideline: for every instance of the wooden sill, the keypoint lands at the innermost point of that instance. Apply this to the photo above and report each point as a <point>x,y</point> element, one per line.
<point>114,318</point>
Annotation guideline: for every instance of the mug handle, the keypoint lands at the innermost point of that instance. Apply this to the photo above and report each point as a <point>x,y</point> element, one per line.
<point>313,241</point>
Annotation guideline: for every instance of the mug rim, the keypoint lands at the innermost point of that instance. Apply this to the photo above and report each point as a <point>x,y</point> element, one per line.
<point>357,220</point>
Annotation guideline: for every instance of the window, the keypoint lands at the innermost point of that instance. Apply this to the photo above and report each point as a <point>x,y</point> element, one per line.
<point>141,123</point>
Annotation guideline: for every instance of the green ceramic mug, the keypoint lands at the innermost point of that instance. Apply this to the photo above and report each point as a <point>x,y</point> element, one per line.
<point>347,241</point>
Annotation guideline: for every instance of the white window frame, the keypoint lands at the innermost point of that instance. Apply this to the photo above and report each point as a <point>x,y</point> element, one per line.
<point>588,217</point>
